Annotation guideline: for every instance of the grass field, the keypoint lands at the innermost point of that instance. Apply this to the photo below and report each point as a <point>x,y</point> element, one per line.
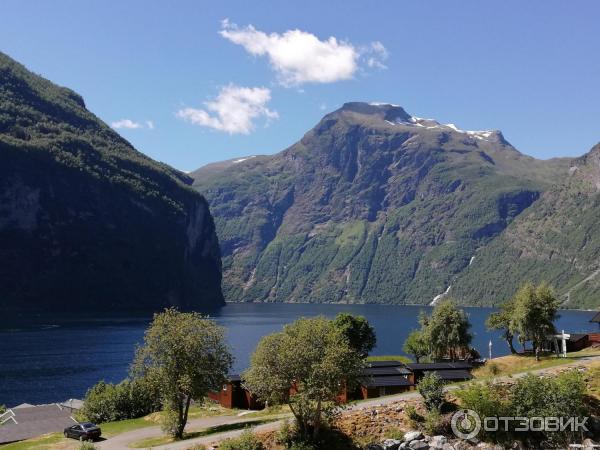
<point>513,364</point>
<point>50,441</point>
<point>401,358</point>
<point>163,440</point>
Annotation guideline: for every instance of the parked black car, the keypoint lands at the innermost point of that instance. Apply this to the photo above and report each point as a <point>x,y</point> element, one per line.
<point>85,431</point>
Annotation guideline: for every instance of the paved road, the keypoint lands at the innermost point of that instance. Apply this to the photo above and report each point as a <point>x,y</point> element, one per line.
<point>120,442</point>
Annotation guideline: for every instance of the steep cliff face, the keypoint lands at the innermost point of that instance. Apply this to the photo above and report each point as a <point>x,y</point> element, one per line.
<point>372,205</point>
<point>86,221</point>
<point>557,240</point>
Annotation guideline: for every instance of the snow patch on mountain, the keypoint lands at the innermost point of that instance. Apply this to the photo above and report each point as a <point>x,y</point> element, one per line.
<point>243,159</point>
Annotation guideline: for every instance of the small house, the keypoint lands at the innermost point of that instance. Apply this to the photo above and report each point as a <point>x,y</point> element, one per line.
<point>233,394</point>
<point>385,378</point>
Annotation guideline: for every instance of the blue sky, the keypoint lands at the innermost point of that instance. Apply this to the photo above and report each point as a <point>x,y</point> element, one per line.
<point>531,69</point>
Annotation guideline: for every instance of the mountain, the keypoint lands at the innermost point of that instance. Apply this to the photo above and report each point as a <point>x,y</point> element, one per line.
<point>87,222</point>
<point>556,240</point>
<point>372,205</point>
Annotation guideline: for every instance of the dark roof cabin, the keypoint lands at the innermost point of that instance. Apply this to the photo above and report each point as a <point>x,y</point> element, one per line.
<point>385,378</point>
<point>447,371</point>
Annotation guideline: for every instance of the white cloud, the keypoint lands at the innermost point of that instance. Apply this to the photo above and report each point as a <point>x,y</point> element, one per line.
<point>375,55</point>
<point>126,123</point>
<point>131,125</point>
<point>234,110</point>
<point>300,57</point>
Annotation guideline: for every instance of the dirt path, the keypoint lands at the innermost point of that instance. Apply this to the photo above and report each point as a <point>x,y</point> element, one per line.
<point>121,441</point>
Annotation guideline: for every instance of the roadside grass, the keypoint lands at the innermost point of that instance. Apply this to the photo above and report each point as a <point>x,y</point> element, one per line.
<point>594,383</point>
<point>110,429</point>
<point>50,441</point>
<point>513,364</point>
<point>400,358</point>
<point>163,440</point>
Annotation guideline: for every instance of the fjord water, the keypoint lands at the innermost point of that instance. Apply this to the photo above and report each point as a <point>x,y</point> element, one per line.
<point>48,359</point>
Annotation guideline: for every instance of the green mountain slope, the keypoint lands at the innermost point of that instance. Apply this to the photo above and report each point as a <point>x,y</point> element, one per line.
<point>371,206</point>
<point>86,221</point>
<point>556,240</point>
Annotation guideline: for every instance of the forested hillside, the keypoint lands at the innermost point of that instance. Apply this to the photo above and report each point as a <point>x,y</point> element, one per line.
<point>86,221</point>
<point>372,205</point>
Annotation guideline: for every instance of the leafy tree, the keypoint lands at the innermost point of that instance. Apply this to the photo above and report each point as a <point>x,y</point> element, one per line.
<point>431,388</point>
<point>501,320</point>
<point>416,345</point>
<point>533,315</point>
<point>105,402</point>
<point>446,331</point>
<point>305,365</point>
<point>358,331</point>
<point>184,356</point>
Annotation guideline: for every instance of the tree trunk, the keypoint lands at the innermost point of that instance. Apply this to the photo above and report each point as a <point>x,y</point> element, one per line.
<point>317,424</point>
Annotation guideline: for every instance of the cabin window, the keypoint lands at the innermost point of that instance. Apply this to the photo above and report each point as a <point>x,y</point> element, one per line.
<point>224,387</point>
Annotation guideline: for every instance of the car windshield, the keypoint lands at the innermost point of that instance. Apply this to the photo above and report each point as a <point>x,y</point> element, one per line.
<point>88,425</point>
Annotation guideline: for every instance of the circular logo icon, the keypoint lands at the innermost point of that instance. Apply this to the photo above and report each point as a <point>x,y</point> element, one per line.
<point>465,423</point>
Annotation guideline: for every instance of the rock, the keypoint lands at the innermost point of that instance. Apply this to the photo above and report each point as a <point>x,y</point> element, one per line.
<point>438,442</point>
<point>374,447</point>
<point>448,447</point>
<point>588,444</point>
<point>418,445</point>
<point>412,436</point>
<point>391,444</point>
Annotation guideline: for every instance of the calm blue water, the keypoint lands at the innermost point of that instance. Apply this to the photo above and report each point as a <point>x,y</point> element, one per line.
<point>47,360</point>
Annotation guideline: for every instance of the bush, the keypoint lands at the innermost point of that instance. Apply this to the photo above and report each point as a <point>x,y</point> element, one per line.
<point>493,368</point>
<point>487,401</point>
<point>431,387</point>
<point>530,396</point>
<point>246,441</point>
<point>415,418</point>
<point>394,433</point>
<point>105,402</point>
<point>87,446</point>
<point>433,423</point>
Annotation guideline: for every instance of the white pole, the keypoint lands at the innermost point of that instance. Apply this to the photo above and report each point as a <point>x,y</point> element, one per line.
<point>490,348</point>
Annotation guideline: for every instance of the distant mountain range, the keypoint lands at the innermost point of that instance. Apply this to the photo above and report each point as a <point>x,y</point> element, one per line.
<point>87,223</point>
<point>374,205</point>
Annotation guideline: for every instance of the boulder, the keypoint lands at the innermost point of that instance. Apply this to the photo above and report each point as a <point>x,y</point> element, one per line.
<point>437,442</point>
<point>418,445</point>
<point>391,444</point>
<point>412,436</point>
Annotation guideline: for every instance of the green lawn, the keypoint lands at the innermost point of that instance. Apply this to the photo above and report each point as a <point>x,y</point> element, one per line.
<point>44,442</point>
<point>400,358</point>
<point>162,440</point>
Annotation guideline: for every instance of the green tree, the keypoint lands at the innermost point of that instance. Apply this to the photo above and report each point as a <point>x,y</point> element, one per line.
<point>501,320</point>
<point>431,388</point>
<point>358,331</point>
<point>105,402</point>
<point>416,345</point>
<point>306,365</point>
<point>446,331</point>
<point>184,356</point>
<point>535,310</point>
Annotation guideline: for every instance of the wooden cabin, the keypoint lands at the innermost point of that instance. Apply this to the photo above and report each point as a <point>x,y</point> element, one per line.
<point>233,394</point>
<point>384,378</point>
